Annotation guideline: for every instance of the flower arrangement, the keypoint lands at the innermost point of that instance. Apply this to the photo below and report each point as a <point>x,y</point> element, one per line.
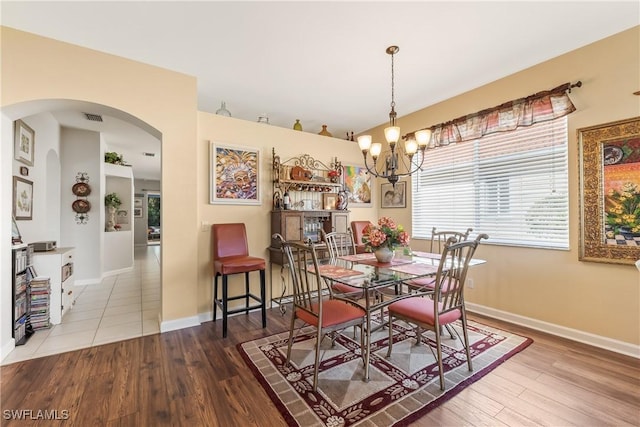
<point>386,234</point>
<point>623,208</point>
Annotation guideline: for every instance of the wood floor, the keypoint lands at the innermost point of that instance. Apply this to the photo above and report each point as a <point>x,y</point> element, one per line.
<point>193,377</point>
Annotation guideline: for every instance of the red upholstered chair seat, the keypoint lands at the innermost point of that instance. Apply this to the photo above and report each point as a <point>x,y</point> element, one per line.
<point>334,312</point>
<point>420,310</point>
<point>231,256</point>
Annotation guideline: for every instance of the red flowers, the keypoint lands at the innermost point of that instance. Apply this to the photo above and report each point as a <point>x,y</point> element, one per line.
<point>386,233</point>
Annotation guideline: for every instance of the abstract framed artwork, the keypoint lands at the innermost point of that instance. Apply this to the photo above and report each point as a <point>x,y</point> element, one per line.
<point>24,143</point>
<point>357,183</point>
<point>235,175</point>
<point>22,198</point>
<point>609,157</point>
<point>393,197</point>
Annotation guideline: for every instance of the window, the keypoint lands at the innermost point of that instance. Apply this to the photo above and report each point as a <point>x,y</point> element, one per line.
<point>511,185</point>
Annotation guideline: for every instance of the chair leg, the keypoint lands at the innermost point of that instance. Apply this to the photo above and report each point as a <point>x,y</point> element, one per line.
<point>439,355</point>
<point>263,298</point>
<point>450,329</point>
<point>390,335</point>
<point>291,328</point>
<point>246,291</point>
<point>465,334</point>
<point>224,305</point>
<point>215,297</point>
<point>317,363</point>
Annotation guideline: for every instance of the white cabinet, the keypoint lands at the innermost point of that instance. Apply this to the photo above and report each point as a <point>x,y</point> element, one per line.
<point>58,266</point>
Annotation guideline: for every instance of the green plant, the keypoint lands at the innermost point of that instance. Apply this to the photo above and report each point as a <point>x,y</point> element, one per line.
<point>112,199</point>
<point>113,158</point>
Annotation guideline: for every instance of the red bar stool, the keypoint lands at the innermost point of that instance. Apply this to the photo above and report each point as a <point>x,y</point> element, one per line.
<point>231,256</point>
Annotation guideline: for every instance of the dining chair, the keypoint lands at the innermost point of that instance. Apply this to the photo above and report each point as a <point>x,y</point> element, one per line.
<point>341,244</point>
<point>438,240</point>
<point>447,305</point>
<point>231,256</point>
<point>357,229</point>
<point>328,314</point>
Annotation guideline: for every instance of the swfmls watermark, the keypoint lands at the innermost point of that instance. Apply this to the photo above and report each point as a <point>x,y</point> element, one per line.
<point>35,414</point>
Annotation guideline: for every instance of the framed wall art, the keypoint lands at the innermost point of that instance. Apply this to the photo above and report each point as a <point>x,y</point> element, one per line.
<point>609,157</point>
<point>22,198</point>
<point>357,183</point>
<point>24,142</point>
<point>235,175</point>
<point>394,198</point>
<point>137,212</point>
<point>329,201</point>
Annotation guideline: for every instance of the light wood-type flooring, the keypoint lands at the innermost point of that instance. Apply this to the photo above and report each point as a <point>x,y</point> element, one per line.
<point>193,377</point>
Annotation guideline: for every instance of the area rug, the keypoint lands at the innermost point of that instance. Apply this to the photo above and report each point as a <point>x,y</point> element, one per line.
<point>401,388</point>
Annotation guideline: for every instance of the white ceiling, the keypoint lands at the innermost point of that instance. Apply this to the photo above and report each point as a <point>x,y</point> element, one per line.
<point>325,62</point>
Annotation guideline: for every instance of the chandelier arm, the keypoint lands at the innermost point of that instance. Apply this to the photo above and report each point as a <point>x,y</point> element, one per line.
<point>411,171</point>
<point>373,171</point>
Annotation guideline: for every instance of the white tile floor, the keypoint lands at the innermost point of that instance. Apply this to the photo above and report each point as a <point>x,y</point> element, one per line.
<point>121,307</point>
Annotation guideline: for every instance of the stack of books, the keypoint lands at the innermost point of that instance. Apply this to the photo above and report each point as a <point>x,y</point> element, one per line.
<point>39,303</point>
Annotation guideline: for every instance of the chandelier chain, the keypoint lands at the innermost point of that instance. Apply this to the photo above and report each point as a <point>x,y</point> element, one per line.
<point>393,101</point>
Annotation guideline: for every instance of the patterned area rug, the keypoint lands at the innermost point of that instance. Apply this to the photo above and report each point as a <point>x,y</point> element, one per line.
<point>400,389</point>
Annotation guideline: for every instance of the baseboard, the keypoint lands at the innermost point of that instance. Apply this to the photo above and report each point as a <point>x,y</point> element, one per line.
<point>557,330</point>
<point>173,325</point>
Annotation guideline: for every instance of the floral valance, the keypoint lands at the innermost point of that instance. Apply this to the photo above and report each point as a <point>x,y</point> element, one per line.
<point>536,108</point>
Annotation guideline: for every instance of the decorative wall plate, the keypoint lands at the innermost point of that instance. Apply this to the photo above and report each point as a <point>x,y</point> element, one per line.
<point>81,189</point>
<point>81,206</point>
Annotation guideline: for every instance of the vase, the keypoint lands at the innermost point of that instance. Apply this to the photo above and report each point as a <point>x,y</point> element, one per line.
<point>222,111</point>
<point>297,125</point>
<point>111,222</point>
<point>324,131</point>
<point>384,254</point>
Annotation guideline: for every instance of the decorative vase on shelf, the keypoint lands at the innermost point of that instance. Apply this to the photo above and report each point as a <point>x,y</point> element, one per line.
<point>111,222</point>
<point>297,125</point>
<point>324,131</point>
<point>384,254</point>
<point>222,111</point>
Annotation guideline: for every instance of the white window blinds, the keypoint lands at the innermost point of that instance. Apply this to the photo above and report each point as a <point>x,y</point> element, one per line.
<point>511,185</point>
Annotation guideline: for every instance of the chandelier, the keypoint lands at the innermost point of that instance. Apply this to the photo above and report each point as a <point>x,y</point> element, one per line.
<point>390,168</point>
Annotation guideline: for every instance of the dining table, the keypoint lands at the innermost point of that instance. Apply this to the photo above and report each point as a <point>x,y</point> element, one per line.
<point>380,284</point>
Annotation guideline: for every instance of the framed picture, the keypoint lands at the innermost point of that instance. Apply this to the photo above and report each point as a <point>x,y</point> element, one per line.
<point>394,197</point>
<point>235,175</point>
<point>122,216</point>
<point>22,198</point>
<point>24,142</point>
<point>357,183</point>
<point>137,212</point>
<point>610,192</point>
<point>329,201</point>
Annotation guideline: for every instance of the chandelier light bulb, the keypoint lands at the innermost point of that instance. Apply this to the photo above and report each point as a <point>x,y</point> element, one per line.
<point>364,142</point>
<point>423,137</point>
<point>376,149</point>
<point>410,147</point>
<point>392,134</point>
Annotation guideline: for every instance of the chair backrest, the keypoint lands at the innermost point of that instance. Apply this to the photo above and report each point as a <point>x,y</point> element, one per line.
<point>439,238</point>
<point>357,228</point>
<point>229,240</point>
<point>452,273</point>
<point>306,282</point>
<point>339,244</point>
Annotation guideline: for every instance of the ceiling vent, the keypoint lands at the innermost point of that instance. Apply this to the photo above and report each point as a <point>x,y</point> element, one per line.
<point>93,117</point>
<point>149,154</point>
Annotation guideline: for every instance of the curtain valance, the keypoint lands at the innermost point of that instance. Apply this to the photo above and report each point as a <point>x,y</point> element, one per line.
<point>539,107</point>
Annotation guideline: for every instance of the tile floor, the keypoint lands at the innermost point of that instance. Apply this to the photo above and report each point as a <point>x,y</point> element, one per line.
<point>121,307</point>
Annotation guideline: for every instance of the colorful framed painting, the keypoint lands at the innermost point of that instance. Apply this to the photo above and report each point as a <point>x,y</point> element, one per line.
<point>394,197</point>
<point>22,198</point>
<point>235,175</point>
<point>24,143</point>
<point>610,192</point>
<point>357,183</point>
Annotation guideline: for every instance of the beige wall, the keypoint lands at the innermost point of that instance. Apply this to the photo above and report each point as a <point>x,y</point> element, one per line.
<point>287,143</point>
<point>550,285</point>
<point>36,68</point>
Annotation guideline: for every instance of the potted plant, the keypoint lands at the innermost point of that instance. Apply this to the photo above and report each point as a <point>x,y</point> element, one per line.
<point>383,239</point>
<point>114,158</point>
<point>112,199</point>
